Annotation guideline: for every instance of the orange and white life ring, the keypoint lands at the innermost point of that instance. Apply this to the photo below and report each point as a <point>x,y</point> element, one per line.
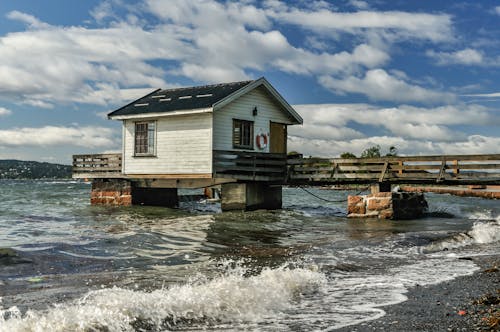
<point>261,141</point>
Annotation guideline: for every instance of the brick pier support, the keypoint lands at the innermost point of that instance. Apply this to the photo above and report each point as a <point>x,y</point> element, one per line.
<point>387,205</point>
<point>111,192</point>
<point>121,192</point>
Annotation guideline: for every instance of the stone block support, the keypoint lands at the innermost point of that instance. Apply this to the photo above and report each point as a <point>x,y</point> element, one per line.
<point>111,192</point>
<point>166,197</point>
<point>381,187</point>
<point>387,205</point>
<point>250,196</point>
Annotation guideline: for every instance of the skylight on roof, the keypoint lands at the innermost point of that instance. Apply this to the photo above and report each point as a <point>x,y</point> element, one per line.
<point>205,95</point>
<point>158,96</point>
<point>165,99</point>
<point>185,97</point>
<point>139,105</point>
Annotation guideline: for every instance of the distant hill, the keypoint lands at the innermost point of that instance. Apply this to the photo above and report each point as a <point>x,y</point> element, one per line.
<point>17,169</point>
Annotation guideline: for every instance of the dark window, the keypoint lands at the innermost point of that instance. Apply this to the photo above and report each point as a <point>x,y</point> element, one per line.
<point>242,134</point>
<point>144,138</point>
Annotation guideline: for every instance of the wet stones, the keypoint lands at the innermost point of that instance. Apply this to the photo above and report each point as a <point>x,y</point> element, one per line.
<point>9,256</point>
<point>387,205</point>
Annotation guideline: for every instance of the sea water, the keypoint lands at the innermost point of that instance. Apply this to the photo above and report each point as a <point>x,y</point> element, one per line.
<point>70,266</point>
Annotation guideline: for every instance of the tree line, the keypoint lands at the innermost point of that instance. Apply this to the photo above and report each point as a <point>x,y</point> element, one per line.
<point>371,152</point>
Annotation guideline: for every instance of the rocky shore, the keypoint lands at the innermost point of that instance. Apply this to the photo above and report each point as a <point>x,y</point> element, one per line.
<point>470,303</point>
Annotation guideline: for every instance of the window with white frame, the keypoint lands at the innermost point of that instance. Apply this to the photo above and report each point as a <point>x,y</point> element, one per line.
<point>144,138</point>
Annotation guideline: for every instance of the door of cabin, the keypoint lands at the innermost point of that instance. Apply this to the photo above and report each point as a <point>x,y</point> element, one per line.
<point>278,138</point>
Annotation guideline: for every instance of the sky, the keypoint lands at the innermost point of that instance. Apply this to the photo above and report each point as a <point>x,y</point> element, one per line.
<point>422,76</point>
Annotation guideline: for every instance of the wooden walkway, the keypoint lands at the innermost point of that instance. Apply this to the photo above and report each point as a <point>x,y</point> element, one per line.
<point>296,170</point>
<point>445,170</point>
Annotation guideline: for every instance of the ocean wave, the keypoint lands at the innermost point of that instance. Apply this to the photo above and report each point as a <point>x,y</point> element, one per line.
<point>229,298</point>
<point>485,230</point>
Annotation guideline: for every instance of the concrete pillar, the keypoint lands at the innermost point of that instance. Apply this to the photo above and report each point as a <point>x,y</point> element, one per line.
<point>111,192</point>
<point>166,197</point>
<point>250,196</point>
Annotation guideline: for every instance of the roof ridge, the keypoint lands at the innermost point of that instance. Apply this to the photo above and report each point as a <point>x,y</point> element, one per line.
<point>205,86</point>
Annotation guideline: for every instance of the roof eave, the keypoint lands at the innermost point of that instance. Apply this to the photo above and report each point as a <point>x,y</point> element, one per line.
<point>161,114</point>
<point>112,117</point>
<point>261,81</point>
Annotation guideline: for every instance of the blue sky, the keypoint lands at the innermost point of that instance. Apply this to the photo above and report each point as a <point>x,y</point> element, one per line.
<point>418,75</point>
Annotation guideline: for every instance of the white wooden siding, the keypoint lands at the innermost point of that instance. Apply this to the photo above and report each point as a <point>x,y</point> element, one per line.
<point>183,146</point>
<point>241,108</point>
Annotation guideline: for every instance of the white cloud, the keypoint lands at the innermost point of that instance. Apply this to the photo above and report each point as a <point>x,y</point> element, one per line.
<point>377,84</point>
<point>497,10</point>
<point>324,132</point>
<point>32,21</point>
<point>485,95</point>
<point>363,5</point>
<point>435,28</point>
<point>76,64</point>
<point>4,111</point>
<point>206,41</point>
<point>102,11</point>
<point>88,137</point>
<point>38,103</point>
<point>466,56</point>
<point>474,144</point>
<point>343,114</point>
<point>330,129</point>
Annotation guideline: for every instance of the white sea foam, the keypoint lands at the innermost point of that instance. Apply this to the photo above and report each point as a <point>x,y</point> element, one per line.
<point>230,298</point>
<point>485,230</point>
<point>274,299</point>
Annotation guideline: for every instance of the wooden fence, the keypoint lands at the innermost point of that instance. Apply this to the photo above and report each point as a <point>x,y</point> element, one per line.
<point>97,165</point>
<point>446,169</point>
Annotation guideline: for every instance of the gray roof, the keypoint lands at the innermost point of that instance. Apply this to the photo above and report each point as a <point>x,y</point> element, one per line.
<point>169,100</point>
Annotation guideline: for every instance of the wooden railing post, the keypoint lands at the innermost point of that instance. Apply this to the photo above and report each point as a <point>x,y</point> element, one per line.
<point>455,170</point>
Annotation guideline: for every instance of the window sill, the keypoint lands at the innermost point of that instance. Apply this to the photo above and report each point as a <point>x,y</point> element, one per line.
<point>144,156</point>
<point>243,147</point>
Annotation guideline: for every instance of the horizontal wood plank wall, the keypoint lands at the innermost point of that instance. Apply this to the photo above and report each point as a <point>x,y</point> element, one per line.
<point>241,108</point>
<point>183,146</point>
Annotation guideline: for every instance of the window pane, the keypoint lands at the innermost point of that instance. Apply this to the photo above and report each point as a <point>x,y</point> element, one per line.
<point>144,138</point>
<point>242,134</point>
<point>151,138</point>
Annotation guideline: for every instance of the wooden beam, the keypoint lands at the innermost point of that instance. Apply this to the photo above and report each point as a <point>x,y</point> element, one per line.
<point>180,183</point>
<point>382,174</point>
<point>169,176</point>
<point>441,171</point>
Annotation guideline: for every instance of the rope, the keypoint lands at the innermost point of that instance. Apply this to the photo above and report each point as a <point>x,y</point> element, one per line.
<point>329,200</point>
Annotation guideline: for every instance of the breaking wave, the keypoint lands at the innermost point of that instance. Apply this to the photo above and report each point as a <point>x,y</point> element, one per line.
<point>484,230</point>
<point>230,298</point>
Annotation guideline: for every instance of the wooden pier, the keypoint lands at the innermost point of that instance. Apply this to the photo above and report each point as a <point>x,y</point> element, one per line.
<point>236,166</point>
<point>443,169</point>
<point>252,180</point>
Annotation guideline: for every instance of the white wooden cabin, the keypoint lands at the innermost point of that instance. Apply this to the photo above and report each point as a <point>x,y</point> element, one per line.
<point>195,132</point>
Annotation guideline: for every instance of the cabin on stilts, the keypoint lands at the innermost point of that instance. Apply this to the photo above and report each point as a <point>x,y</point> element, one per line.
<point>232,134</point>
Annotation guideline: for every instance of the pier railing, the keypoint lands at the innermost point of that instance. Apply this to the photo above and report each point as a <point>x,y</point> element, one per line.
<point>252,166</point>
<point>275,167</point>
<point>97,165</point>
<point>445,169</point>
